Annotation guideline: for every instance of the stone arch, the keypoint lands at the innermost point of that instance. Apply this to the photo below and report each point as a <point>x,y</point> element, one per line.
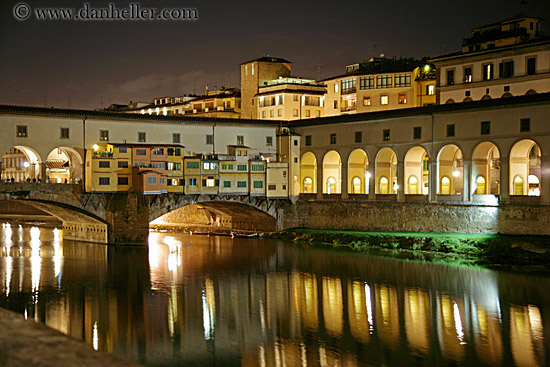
<point>467,99</point>
<point>507,95</point>
<point>308,169</point>
<point>21,163</point>
<point>486,163</point>
<point>450,166</point>
<point>449,101</point>
<point>530,92</point>
<point>525,161</point>
<point>386,168</point>
<point>64,165</point>
<point>332,167</point>
<point>214,215</point>
<point>417,165</point>
<point>486,97</point>
<point>358,168</point>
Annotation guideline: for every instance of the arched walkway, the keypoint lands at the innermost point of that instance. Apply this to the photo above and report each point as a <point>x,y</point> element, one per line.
<point>417,172</point>
<point>525,168</point>
<point>20,164</point>
<point>386,171</point>
<point>486,169</point>
<point>64,165</point>
<point>332,173</point>
<point>358,176</point>
<point>308,173</point>
<point>451,172</point>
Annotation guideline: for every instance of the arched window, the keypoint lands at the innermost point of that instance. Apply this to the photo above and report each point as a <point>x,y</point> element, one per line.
<point>413,185</point>
<point>331,185</point>
<point>518,185</point>
<point>445,186</point>
<point>534,185</point>
<point>356,185</point>
<point>308,185</point>
<point>480,185</point>
<point>384,186</point>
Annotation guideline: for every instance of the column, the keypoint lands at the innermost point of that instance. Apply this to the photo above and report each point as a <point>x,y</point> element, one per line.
<point>545,180</point>
<point>504,179</point>
<point>467,180</point>
<point>372,182</point>
<point>401,181</point>
<point>319,178</point>
<point>433,179</point>
<point>344,172</point>
<point>43,171</point>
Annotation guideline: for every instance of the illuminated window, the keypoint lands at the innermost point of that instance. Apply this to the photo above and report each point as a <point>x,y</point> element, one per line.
<point>240,140</point>
<point>366,101</point>
<point>488,71</point>
<point>402,98</point>
<point>384,100</point>
<point>269,141</point>
<point>383,81</point>
<point>386,134</point>
<point>104,135</point>
<point>348,85</point>
<point>366,82</point>
<point>430,90</point>
<point>336,87</point>
<point>468,74</point>
<point>335,104</point>
<point>403,80</point>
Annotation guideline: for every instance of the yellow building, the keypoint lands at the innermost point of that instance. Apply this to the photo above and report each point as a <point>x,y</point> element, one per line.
<point>257,177</point>
<point>101,169</point>
<point>290,99</point>
<point>223,103</point>
<point>192,174</point>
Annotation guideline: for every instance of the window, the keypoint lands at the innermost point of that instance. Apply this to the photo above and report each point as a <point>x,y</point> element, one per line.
<point>295,159</point>
<point>402,98</point>
<point>123,180</point>
<point>386,134</point>
<point>241,183</point>
<point>242,167</point>
<point>209,165</point>
<point>295,142</point>
<point>143,164</point>
<point>141,152</point>
<point>268,141</point>
<point>174,152</point>
<point>192,181</point>
<point>308,113</point>
<point>64,133</point>
<point>450,77</point>
<point>402,80</point>
<point>335,104</point>
<point>295,98</point>
<point>123,150</point>
<point>468,74</point>
<point>176,138</point>
<point>506,69</point>
<point>122,164</point>
<point>227,184</point>
<point>240,140</point>
<point>271,114</point>
<point>227,166</point>
<point>158,151</point>
<point>246,70</point>
<point>159,165</point>
<point>332,138</point>
<point>383,81</point>
<point>506,88</point>
<point>524,125</point>
<point>104,164</point>
<point>141,137</point>
<point>21,131</point>
<point>173,166</point>
<point>193,165</point>
<point>317,113</point>
<point>209,139</point>
<point>485,127</point>
<point>336,87</point>
<point>467,93</point>
<point>384,100</point>
<point>531,66</point>
<point>258,168</point>
<point>348,85</point>
<point>450,130</point>
<point>366,82</point>
<point>295,113</point>
<point>272,187</point>
<point>488,72</point>
<point>151,180</point>
<point>430,90</point>
<point>308,140</point>
<point>263,114</point>
<point>366,101</point>
<point>252,69</point>
<point>104,135</point>
<point>258,184</point>
<point>104,180</point>
<point>417,132</point>
<point>279,112</point>
<point>358,136</point>
<point>209,182</point>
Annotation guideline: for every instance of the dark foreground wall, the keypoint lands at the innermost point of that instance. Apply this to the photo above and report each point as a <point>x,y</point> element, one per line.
<point>419,217</point>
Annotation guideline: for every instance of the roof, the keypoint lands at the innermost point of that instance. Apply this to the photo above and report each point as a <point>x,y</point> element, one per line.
<point>507,20</point>
<point>419,111</point>
<point>268,59</point>
<point>139,145</point>
<point>131,117</point>
<point>238,146</point>
<point>370,72</point>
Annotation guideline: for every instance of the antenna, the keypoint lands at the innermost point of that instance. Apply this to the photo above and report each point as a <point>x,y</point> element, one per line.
<point>318,71</point>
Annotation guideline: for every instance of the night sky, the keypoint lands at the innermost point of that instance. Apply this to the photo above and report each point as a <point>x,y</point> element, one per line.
<point>95,63</point>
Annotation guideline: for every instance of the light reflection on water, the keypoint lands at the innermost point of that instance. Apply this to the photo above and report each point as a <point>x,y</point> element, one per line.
<point>203,301</point>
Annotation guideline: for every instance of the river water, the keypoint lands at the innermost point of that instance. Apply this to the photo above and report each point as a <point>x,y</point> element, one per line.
<point>213,301</point>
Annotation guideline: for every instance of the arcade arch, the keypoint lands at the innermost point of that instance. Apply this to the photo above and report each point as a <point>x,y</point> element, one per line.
<point>308,173</point>
<point>358,172</point>
<point>417,172</point>
<point>20,163</point>
<point>451,171</point>
<point>332,173</point>
<point>525,168</point>
<point>386,171</point>
<point>486,169</point>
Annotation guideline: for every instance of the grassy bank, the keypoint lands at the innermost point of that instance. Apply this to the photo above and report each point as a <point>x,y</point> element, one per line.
<point>465,248</point>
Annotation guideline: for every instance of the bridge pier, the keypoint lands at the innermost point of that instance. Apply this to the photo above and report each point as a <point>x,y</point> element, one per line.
<point>128,218</point>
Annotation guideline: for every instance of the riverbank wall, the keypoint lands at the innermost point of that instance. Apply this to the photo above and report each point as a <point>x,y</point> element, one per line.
<point>512,219</point>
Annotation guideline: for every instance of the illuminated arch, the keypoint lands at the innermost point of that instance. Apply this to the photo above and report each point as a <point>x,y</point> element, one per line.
<point>450,165</point>
<point>21,163</point>
<point>332,167</point>
<point>486,163</point>
<point>358,163</point>
<point>386,167</point>
<point>308,169</point>
<point>525,161</point>
<point>417,165</point>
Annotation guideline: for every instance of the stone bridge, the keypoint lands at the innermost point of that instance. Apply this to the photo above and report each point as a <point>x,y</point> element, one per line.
<point>123,218</point>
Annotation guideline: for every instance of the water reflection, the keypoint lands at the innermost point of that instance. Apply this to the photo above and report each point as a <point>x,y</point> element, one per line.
<point>203,301</point>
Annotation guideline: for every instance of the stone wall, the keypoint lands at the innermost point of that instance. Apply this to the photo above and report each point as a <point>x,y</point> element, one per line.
<point>128,219</point>
<point>419,217</point>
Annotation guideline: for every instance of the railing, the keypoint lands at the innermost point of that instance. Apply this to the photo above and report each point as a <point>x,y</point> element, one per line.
<point>39,186</point>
